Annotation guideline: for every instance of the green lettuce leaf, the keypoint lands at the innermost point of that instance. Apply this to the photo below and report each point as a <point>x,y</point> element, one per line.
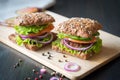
<point>30,41</point>
<point>27,41</point>
<point>30,29</point>
<point>96,34</point>
<point>19,40</point>
<point>95,48</point>
<point>62,35</point>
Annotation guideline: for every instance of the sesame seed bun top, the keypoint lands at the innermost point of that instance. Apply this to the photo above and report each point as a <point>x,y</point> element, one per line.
<point>38,18</point>
<point>83,27</point>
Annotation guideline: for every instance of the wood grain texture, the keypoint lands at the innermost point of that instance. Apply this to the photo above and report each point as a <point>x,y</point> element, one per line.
<point>109,51</point>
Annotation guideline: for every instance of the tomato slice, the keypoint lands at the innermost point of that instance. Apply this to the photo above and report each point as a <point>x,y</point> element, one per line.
<point>48,29</point>
<point>83,42</point>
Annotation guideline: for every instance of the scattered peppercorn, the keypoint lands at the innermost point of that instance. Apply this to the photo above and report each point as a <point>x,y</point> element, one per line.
<point>48,52</point>
<point>59,60</point>
<point>64,56</point>
<point>62,76</point>
<point>27,78</point>
<point>43,54</point>
<point>34,70</point>
<point>57,74</point>
<point>49,57</point>
<point>20,60</point>
<point>53,74</point>
<point>66,60</point>
<point>17,64</point>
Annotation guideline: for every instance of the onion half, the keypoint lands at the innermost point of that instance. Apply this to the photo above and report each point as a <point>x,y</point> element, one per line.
<point>74,48</point>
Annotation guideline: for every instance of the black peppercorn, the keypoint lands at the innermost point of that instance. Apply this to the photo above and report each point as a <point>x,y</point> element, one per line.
<point>17,64</point>
<point>34,70</point>
<point>66,60</point>
<point>49,57</point>
<point>48,52</point>
<point>53,74</point>
<point>20,60</point>
<point>59,60</point>
<point>64,56</point>
<point>43,54</point>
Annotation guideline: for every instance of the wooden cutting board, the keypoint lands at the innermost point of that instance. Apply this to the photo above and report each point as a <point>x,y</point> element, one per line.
<point>110,50</point>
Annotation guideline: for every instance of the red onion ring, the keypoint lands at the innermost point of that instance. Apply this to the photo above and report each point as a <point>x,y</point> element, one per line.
<point>72,67</point>
<point>45,42</point>
<point>74,48</point>
<point>42,36</point>
<point>54,78</point>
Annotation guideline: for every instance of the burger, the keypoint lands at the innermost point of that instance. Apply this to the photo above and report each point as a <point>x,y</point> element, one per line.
<point>33,30</point>
<point>78,37</point>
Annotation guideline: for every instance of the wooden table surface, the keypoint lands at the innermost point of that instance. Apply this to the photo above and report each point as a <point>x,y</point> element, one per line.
<point>107,12</point>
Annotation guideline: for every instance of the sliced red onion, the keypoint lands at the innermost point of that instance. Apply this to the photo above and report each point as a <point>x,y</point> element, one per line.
<point>74,48</point>
<point>54,78</point>
<point>42,36</point>
<point>39,37</point>
<point>72,67</point>
<point>47,41</point>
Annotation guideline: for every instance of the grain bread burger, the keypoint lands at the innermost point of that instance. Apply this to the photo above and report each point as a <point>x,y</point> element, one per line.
<point>33,30</point>
<point>78,37</point>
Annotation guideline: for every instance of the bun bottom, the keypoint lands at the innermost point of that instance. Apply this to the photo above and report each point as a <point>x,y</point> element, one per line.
<point>81,55</point>
<point>29,46</point>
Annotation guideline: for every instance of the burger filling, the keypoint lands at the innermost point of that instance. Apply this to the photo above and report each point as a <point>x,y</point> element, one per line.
<point>38,40</point>
<point>62,35</point>
<point>76,45</point>
<point>23,30</point>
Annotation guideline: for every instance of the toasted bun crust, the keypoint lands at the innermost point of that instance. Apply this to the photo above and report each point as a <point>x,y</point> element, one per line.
<point>38,18</point>
<point>28,46</point>
<point>83,27</point>
<point>31,47</point>
<point>81,55</point>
